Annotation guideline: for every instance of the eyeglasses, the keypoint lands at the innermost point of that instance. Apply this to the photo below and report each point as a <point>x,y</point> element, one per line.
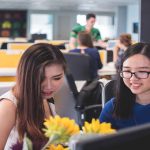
<point>139,74</point>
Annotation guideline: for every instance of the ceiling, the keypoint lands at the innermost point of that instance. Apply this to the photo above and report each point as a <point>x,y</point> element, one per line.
<point>79,5</point>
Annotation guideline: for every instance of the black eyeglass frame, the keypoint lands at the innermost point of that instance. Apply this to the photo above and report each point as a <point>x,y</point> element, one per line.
<point>135,74</point>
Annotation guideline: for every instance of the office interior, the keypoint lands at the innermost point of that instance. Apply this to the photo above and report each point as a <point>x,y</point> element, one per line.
<point>52,22</point>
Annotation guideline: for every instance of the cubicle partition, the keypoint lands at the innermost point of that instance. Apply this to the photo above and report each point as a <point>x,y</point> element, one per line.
<point>8,64</point>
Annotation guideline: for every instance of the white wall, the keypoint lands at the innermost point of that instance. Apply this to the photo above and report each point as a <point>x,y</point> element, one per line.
<point>133,15</point>
<point>121,20</point>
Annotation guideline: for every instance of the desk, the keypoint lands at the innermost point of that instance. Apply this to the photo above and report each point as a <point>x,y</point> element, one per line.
<point>5,86</point>
<point>9,59</point>
<point>107,70</point>
<point>7,74</point>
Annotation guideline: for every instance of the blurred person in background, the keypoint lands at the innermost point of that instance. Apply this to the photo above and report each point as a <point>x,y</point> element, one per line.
<point>123,43</point>
<point>89,27</point>
<point>86,47</point>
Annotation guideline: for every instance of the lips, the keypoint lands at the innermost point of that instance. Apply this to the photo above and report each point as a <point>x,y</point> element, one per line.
<point>47,93</point>
<point>135,85</point>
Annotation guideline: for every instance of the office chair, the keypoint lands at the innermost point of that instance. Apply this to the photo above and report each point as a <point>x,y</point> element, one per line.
<point>65,101</point>
<point>89,101</point>
<point>109,56</point>
<point>79,65</point>
<point>109,91</point>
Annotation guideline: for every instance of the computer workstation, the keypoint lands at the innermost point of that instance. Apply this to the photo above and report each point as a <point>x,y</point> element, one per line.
<point>133,138</point>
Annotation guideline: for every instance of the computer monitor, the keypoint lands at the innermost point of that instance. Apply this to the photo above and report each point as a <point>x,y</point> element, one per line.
<point>111,44</point>
<point>37,36</point>
<point>133,138</point>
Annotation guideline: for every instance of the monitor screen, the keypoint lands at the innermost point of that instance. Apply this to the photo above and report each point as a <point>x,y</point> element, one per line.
<point>39,36</point>
<point>133,138</point>
<point>111,44</point>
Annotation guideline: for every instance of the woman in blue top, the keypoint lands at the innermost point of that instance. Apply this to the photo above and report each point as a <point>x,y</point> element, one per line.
<point>132,103</point>
<point>86,46</point>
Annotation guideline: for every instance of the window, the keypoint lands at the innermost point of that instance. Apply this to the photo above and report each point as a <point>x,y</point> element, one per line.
<point>103,23</point>
<point>42,24</point>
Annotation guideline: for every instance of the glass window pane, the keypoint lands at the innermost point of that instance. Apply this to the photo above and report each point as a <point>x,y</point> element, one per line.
<point>81,19</point>
<point>103,23</point>
<point>42,24</point>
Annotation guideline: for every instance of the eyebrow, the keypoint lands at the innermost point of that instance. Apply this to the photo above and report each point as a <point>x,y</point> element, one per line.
<point>136,68</point>
<point>58,75</point>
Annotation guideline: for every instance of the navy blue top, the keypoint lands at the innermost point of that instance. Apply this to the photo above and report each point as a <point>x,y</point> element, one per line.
<point>141,115</point>
<point>95,59</point>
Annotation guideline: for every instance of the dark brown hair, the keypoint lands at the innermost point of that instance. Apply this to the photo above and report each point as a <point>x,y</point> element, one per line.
<point>125,99</point>
<point>125,39</point>
<point>85,39</point>
<point>30,74</point>
<point>90,15</point>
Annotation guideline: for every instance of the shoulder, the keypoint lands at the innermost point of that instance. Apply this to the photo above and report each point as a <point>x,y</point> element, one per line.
<point>7,104</point>
<point>96,33</point>
<point>9,96</point>
<point>78,28</point>
<point>106,114</point>
<point>109,106</point>
<point>95,30</point>
<point>92,51</point>
<point>75,50</point>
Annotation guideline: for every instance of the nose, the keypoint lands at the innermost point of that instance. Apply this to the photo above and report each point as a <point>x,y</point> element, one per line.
<point>133,77</point>
<point>48,85</point>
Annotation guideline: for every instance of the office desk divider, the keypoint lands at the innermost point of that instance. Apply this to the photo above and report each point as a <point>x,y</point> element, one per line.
<point>19,46</point>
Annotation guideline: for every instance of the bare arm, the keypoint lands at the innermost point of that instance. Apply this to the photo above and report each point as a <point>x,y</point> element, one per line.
<point>72,43</point>
<point>102,44</point>
<point>7,119</point>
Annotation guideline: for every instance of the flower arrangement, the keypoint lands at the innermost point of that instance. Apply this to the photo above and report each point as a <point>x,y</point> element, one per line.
<point>96,127</point>
<point>60,130</point>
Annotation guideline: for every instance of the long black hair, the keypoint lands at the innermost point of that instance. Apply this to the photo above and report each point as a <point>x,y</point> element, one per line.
<point>125,99</point>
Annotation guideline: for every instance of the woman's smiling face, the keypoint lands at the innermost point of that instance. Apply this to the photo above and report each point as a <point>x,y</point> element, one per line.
<point>137,63</point>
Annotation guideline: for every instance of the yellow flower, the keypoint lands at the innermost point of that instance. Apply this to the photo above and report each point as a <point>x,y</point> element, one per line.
<point>96,127</point>
<point>60,129</point>
<point>58,147</point>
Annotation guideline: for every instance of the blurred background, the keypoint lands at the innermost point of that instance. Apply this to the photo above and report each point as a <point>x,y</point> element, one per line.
<point>54,19</point>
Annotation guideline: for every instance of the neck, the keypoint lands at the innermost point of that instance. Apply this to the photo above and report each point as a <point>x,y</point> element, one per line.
<point>143,99</point>
<point>88,28</point>
<point>82,47</point>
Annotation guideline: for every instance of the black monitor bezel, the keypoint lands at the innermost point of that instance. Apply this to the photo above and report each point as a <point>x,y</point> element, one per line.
<point>137,137</point>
